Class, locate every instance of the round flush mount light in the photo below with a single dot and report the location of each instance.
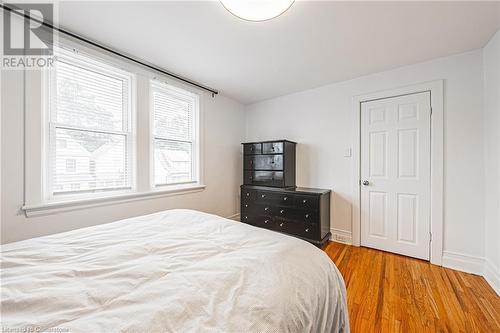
(257, 10)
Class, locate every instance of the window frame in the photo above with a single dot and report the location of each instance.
(50, 125)
(156, 84)
(36, 138)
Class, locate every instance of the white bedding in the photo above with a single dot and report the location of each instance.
(173, 271)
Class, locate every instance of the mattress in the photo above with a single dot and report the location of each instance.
(172, 271)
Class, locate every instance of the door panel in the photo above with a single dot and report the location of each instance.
(407, 218)
(395, 166)
(408, 153)
(378, 154)
(378, 214)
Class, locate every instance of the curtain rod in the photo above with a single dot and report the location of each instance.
(14, 10)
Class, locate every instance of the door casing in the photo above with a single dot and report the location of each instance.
(437, 152)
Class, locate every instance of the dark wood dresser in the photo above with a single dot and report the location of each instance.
(300, 212)
(269, 163)
(270, 199)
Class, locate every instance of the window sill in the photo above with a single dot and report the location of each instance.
(69, 205)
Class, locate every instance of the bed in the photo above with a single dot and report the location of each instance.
(172, 271)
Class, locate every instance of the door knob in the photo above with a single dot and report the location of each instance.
(366, 183)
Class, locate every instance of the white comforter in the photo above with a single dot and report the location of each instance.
(173, 271)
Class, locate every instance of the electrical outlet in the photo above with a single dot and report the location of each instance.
(340, 238)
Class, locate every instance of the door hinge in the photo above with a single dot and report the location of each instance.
(430, 236)
(431, 110)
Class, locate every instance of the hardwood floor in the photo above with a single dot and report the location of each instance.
(391, 293)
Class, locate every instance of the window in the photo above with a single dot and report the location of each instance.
(175, 113)
(70, 165)
(90, 127)
(82, 148)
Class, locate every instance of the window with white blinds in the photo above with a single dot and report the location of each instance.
(90, 127)
(174, 135)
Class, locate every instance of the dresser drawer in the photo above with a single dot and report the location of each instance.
(263, 178)
(248, 195)
(258, 220)
(247, 206)
(263, 162)
(306, 202)
(303, 215)
(304, 230)
(250, 208)
(298, 215)
(247, 218)
(307, 230)
(276, 199)
(264, 222)
(252, 148)
(265, 209)
(272, 148)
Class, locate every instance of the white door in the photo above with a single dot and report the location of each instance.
(395, 174)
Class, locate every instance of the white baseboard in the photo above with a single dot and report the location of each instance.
(463, 262)
(475, 265)
(341, 236)
(235, 217)
(492, 275)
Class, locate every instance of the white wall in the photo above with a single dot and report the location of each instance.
(321, 121)
(491, 61)
(223, 128)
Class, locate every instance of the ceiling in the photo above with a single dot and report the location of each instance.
(312, 44)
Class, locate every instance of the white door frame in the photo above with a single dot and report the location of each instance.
(437, 152)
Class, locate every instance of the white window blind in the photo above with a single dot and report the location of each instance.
(175, 149)
(90, 130)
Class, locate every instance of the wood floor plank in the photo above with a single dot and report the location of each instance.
(387, 292)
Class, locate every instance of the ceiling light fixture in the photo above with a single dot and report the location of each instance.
(257, 10)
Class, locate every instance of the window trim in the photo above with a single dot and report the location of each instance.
(55, 207)
(49, 126)
(196, 150)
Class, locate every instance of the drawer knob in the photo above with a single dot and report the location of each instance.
(248, 194)
(281, 224)
(246, 217)
(307, 216)
(263, 196)
(285, 198)
(246, 205)
(266, 208)
(307, 229)
(304, 201)
(266, 221)
(282, 211)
